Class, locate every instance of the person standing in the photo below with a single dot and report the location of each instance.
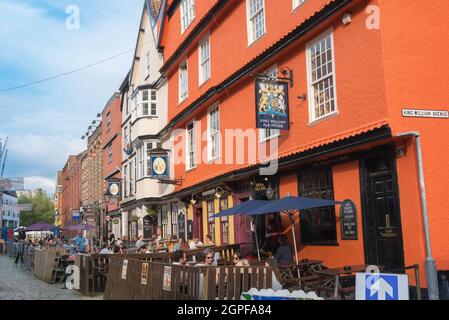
(80, 242)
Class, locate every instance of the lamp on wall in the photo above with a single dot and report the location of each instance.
(219, 192)
(192, 201)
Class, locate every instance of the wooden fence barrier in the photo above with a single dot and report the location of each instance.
(94, 268)
(132, 279)
(46, 262)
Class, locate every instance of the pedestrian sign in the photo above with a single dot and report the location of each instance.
(378, 286)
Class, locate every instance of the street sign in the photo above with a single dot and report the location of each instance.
(416, 113)
(381, 286)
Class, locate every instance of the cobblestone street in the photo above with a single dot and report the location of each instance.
(19, 284)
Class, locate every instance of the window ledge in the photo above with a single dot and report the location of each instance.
(326, 117)
(204, 83)
(189, 170)
(255, 41)
(182, 101)
(268, 139)
(297, 7)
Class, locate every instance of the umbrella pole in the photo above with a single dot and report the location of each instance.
(257, 242)
(294, 242)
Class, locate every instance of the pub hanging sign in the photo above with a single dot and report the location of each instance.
(348, 220)
(114, 187)
(159, 165)
(272, 110)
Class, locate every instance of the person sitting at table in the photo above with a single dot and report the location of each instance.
(200, 260)
(116, 250)
(238, 261)
(140, 242)
(180, 258)
(208, 241)
(284, 254)
(105, 249)
(209, 254)
(196, 244)
(143, 249)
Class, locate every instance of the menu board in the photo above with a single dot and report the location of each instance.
(147, 228)
(348, 220)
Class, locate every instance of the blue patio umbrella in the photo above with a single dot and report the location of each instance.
(243, 208)
(290, 205)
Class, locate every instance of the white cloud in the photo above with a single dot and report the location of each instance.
(33, 183)
(45, 122)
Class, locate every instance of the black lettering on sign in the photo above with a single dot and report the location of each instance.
(348, 220)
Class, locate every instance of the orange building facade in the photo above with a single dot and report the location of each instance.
(352, 70)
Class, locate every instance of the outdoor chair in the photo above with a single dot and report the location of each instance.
(286, 278)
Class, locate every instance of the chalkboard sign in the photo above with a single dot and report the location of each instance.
(189, 230)
(348, 221)
(182, 226)
(147, 228)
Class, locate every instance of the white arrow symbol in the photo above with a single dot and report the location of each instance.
(382, 288)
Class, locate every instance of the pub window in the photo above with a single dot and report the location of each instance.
(318, 226)
(211, 219)
(174, 219)
(224, 222)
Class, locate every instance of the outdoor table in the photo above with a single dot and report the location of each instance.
(307, 268)
(332, 277)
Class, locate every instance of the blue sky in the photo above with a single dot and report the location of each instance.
(45, 122)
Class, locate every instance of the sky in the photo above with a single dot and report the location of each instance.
(45, 122)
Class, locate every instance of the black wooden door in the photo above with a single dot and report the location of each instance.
(382, 218)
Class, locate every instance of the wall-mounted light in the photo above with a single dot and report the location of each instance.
(219, 192)
(347, 18)
(192, 201)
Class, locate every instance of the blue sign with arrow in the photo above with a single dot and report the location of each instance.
(377, 286)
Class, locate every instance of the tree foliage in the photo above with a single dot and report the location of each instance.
(42, 209)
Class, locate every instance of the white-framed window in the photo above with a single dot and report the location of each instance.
(125, 179)
(321, 77)
(183, 82)
(255, 16)
(213, 132)
(141, 164)
(147, 63)
(149, 147)
(131, 177)
(174, 219)
(110, 153)
(191, 146)
(187, 13)
(145, 101)
(165, 232)
(267, 134)
(297, 3)
(125, 136)
(204, 60)
(149, 103)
